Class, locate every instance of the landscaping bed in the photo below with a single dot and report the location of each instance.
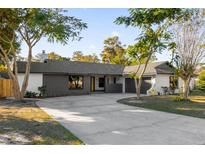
(195, 107)
(25, 123)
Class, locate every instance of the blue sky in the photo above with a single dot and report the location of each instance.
(100, 26)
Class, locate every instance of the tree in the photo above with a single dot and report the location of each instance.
(9, 45)
(55, 56)
(114, 52)
(138, 58)
(201, 80)
(30, 25)
(189, 38)
(154, 24)
(79, 56)
(3, 68)
(52, 55)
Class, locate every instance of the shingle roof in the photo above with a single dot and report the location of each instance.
(72, 67)
(152, 68)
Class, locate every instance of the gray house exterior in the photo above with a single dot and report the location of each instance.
(61, 78)
(94, 77)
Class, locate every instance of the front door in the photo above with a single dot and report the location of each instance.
(92, 83)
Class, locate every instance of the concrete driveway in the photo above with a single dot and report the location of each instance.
(99, 119)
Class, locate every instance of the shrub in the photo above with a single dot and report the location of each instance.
(30, 94)
(178, 99)
(3, 68)
(42, 90)
(201, 80)
(152, 92)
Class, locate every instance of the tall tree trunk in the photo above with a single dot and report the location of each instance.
(27, 72)
(136, 88)
(186, 83)
(16, 90)
(16, 86)
(13, 77)
(138, 82)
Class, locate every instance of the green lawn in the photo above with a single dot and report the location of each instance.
(26, 123)
(195, 107)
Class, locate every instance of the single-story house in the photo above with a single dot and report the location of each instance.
(74, 78)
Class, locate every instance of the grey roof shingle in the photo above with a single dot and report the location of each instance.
(72, 67)
(152, 68)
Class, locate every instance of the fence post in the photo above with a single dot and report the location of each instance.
(1, 88)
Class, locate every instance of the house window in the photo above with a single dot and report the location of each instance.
(101, 82)
(75, 82)
(173, 82)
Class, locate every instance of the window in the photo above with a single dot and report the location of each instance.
(101, 82)
(75, 82)
(173, 82)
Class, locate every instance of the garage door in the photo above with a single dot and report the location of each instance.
(130, 85)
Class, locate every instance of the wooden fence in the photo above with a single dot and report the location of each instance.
(5, 88)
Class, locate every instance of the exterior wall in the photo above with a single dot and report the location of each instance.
(57, 85)
(97, 83)
(121, 80)
(35, 81)
(110, 87)
(113, 88)
(111, 79)
(161, 80)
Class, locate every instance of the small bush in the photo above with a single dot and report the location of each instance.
(42, 90)
(201, 80)
(152, 92)
(30, 94)
(178, 99)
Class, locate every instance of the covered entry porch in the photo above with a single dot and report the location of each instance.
(106, 83)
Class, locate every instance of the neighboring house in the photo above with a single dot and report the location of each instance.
(74, 78)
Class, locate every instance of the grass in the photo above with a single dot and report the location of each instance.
(28, 122)
(195, 107)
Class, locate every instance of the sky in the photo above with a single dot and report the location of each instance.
(101, 25)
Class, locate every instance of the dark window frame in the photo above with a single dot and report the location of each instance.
(75, 88)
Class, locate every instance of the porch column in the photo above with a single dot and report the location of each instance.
(123, 84)
(106, 82)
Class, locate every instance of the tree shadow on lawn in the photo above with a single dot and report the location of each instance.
(26, 123)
